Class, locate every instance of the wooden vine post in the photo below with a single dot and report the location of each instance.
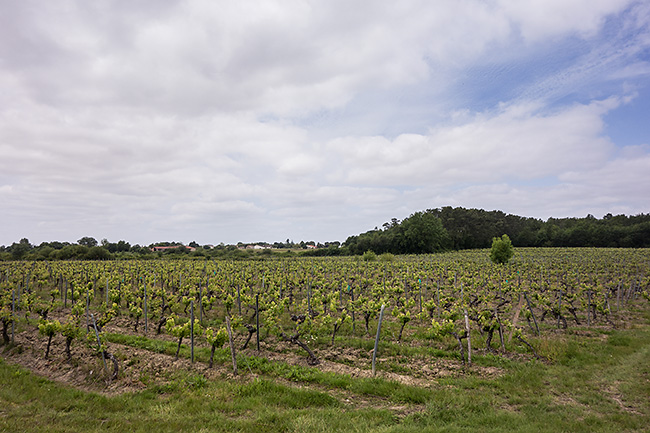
(257, 320)
(515, 318)
(99, 343)
(145, 307)
(352, 299)
(87, 307)
(374, 352)
(13, 313)
(589, 308)
(233, 354)
(532, 313)
(201, 302)
(559, 309)
(192, 330)
(467, 329)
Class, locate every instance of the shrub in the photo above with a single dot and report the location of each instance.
(369, 256)
(386, 257)
(502, 250)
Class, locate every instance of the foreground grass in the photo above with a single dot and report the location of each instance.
(594, 384)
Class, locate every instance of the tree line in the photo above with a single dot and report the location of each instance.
(458, 228)
(88, 248)
(430, 231)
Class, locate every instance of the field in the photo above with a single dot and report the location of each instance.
(557, 340)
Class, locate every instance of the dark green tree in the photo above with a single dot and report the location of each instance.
(20, 249)
(87, 241)
(423, 233)
(98, 253)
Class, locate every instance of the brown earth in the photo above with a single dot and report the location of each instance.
(140, 368)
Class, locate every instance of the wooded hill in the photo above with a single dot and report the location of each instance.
(458, 228)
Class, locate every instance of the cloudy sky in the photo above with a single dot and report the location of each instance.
(223, 121)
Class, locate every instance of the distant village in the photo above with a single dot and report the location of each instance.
(193, 246)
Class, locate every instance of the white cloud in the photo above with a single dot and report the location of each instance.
(539, 19)
(517, 142)
(152, 119)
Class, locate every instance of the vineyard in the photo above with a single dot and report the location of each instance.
(390, 331)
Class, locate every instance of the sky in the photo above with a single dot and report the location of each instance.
(218, 121)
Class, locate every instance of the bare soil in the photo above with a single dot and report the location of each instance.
(140, 368)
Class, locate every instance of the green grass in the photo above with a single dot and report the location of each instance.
(32, 404)
(373, 387)
(595, 383)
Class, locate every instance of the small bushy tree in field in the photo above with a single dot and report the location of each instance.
(502, 250)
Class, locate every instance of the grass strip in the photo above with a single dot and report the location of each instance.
(377, 387)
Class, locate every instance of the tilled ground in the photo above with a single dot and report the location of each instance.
(140, 368)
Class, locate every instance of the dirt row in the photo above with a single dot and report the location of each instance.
(140, 368)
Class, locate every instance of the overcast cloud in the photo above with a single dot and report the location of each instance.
(248, 121)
